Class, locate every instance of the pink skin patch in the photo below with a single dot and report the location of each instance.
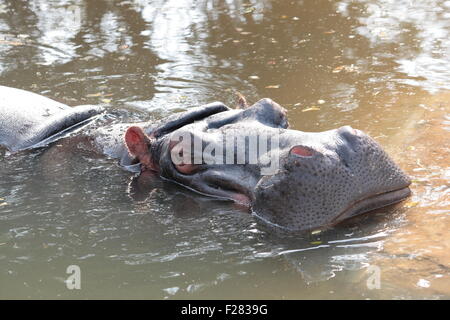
(186, 168)
(241, 200)
(301, 151)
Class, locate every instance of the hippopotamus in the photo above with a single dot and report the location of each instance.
(295, 181)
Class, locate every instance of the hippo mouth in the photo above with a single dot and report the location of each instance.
(357, 208)
(372, 203)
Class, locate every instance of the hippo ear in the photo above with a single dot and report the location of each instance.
(241, 101)
(137, 142)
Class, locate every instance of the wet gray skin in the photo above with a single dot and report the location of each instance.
(322, 178)
(30, 120)
(318, 179)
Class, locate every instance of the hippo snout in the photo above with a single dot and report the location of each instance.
(318, 185)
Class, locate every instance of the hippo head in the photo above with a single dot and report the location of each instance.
(291, 180)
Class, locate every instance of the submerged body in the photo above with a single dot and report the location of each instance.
(29, 120)
(315, 179)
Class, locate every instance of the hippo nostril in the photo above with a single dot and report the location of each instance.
(350, 135)
(345, 130)
(349, 132)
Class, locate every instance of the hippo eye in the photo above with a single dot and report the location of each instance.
(302, 151)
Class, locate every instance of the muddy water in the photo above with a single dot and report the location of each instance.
(380, 66)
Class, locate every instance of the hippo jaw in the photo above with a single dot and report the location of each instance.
(353, 176)
(356, 208)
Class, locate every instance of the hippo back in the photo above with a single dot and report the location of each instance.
(28, 119)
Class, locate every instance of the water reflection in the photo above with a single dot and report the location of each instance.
(414, 32)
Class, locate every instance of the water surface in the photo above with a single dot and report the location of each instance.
(378, 65)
